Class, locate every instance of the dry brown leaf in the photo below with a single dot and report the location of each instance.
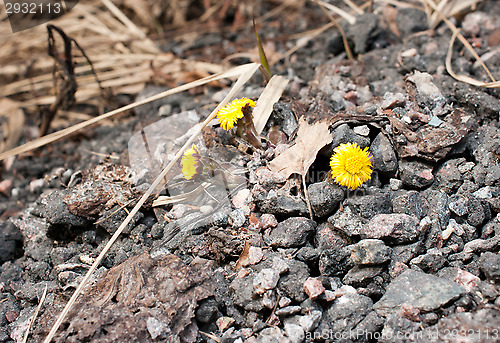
(298, 158)
(11, 124)
(243, 256)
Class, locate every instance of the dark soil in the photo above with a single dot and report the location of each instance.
(410, 256)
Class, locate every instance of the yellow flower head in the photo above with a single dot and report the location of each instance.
(351, 165)
(190, 162)
(229, 114)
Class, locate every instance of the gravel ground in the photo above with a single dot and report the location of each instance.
(410, 256)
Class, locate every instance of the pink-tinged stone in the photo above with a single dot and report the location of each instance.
(397, 269)
(409, 312)
(313, 288)
(266, 176)
(351, 96)
(466, 280)
(427, 174)
(255, 255)
(268, 221)
(255, 223)
(246, 332)
(395, 228)
(284, 301)
(11, 316)
(223, 323)
(5, 186)
(242, 198)
(242, 273)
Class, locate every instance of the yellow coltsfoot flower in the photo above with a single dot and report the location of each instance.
(351, 166)
(190, 162)
(229, 114)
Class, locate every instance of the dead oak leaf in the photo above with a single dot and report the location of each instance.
(311, 138)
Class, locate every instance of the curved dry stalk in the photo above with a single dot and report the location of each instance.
(323, 6)
(246, 73)
(456, 33)
(461, 77)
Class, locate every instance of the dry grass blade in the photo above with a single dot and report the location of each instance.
(450, 8)
(34, 144)
(266, 71)
(354, 7)
(124, 19)
(400, 4)
(269, 96)
(32, 321)
(465, 78)
(305, 38)
(166, 200)
(349, 18)
(246, 73)
(124, 58)
(462, 39)
(348, 51)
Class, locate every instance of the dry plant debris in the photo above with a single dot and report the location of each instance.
(11, 124)
(311, 138)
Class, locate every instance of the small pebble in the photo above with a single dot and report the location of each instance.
(37, 185)
(467, 280)
(156, 328)
(310, 321)
(295, 333)
(330, 295)
(362, 130)
(242, 198)
(465, 167)
(206, 209)
(280, 265)
(255, 255)
(268, 221)
(284, 301)
(266, 279)
(223, 323)
(483, 193)
(242, 273)
(459, 206)
(313, 288)
(5, 186)
(287, 311)
(11, 316)
(395, 184)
